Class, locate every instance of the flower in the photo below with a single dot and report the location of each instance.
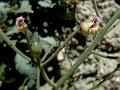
(97, 20)
(90, 27)
(21, 25)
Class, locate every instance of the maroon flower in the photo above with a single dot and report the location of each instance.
(96, 20)
(21, 25)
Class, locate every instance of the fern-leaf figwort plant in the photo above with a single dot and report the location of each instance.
(86, 28)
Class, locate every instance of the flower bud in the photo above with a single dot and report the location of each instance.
(90, 27)
(36, 49)
(85, 28)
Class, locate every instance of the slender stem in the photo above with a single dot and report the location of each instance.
(24, 82)
(46, 77)
(97, 10)
(5, 38)
(111, 28)
(105, 56)
(28, 39)
(46, 54)
(107, 77)
(28, 35)
(2, 67)
(38, 78)
(65, 85)
(87, 52)
(62, 46)
(38, 74)
(44, 73)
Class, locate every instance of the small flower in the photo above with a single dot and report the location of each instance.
(21, 25)
(90, 27)
(97, 20)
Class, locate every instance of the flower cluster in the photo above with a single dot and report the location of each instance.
(90, 27)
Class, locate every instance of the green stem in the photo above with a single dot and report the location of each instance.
(107, 77)
(61, 47)
(28, 37)
(65, 86)
(24, 82)
(97, 10)
(38, 74)
(112, 27)
(46, 54)
(5, 38)
(105, 56)
(38, 78)
(46, 77)
(87, 52)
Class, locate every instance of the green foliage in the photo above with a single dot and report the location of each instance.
(48, 42)
(25, 68)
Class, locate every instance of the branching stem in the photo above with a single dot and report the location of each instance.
(87, 51)
(61, 47)
(5, 38)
